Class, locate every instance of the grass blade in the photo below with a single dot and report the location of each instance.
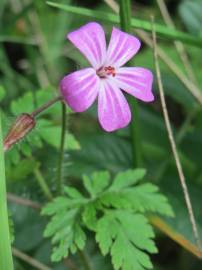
(6, 261)
(161, 30)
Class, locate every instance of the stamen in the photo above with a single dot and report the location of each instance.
(110, 71)
(103, 72)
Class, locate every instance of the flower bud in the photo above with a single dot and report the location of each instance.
(21, 127)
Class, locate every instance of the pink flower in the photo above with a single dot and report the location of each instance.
(106, 78)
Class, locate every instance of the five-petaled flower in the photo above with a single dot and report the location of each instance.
(106, 78)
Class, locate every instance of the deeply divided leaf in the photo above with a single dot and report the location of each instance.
(114, 212)
(126, 236)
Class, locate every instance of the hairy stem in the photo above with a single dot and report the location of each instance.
(62, 149)
(125, 20)
(6, 261)
(46, 106)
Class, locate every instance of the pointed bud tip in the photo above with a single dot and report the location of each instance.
(20, 128)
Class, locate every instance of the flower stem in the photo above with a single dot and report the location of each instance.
(25, 123)
(125, 21)
(6, 261)
(46, 106)
(62, 148)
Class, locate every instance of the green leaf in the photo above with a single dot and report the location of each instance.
(26, 150)
(73, 193)
(101, 152)
(181, 225)
(46, 127)
(80, 237)
(65, 230)
(137, 23)
(89, 216)
(125, 193)
(24, 168)
(88, 185)
(2, 92)
(23, 104)
(110, 212)
(62, 203)
(127, 178)
(27, 223)
(146, 197)
(97, 182)
(100, 181)
(126, 236)
(105, 232)
(58, 204)
(191, 13)
(59, 221)
(11, 228)
(44, 95)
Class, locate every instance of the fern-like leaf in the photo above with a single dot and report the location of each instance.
(125, 193)
(126, 236)
(114, 212)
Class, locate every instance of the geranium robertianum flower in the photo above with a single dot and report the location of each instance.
(106, 78)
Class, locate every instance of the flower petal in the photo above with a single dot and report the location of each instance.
(122, 47)
(80, 89)
(113, 109)
(90, 40)
(136, 81)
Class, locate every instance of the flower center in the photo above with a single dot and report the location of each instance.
(103, 72)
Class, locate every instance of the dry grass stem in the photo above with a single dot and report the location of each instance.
(26, 202)
(179, 45)
(28, 259)
(173, 144)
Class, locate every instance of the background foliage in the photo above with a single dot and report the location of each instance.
(106, 206)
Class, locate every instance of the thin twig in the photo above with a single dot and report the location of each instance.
(191, 87)
(172, 143)
(179, 45)
(62, 149)
(28, 259)
(26, 202)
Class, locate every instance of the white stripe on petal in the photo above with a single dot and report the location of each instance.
(90, 40)
(135, 81)
(113, 109)
(80, 94)
(122, 47)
